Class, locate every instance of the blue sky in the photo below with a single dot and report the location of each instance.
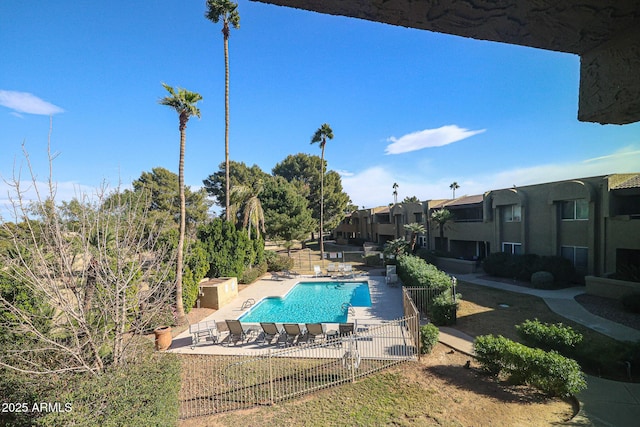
(417, 108)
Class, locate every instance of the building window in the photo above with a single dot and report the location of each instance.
(577, 255)
(575, 209)
(511, 213)
(512, 248)
(422, 241)
(418, 217)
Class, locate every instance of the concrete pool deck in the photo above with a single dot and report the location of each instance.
(386, 304)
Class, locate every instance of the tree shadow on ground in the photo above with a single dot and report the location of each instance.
(476, 381)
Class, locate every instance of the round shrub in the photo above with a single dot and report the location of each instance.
(542, 280)
(278, 262)
(428, 337)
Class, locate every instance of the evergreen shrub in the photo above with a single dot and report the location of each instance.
(143, 392)
(549, 372)
(559, 337)
(278, 262)
(428, 337)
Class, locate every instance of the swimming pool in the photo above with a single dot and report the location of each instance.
(311, 302)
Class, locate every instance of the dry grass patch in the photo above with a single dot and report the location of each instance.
(436, 391)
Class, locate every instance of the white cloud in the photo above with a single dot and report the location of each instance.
(344, 173)
(24, 102)
(373, 186)
(429, 138)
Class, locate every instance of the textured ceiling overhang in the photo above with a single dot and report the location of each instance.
(605, 33)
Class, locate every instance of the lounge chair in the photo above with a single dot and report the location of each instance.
(345, 329)
(207, 330)
(294, 333)
(348, 270)
(331, 268)
(236, 331)
(317, 271)
(269, 332)
(315, 330)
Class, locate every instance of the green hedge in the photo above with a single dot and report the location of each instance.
(142, 393)
(521, 267)
(443, 309)
(416, 272)
(549, 372)
(252, 274)
(549, 336)
(428, 337)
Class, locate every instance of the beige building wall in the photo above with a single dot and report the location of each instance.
(590, 219)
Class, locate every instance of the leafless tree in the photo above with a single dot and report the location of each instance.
(99, 279)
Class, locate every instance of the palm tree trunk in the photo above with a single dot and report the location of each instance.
(226, 121)
(183, 214)
(322, 205)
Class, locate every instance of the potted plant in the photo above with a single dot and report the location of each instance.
(163, 337)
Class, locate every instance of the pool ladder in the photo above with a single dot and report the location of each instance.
(349, 308)
(248, 303)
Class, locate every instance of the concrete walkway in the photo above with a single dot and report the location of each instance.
(604, 402)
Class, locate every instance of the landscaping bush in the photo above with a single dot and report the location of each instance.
(414, 271)
(278, 262)
(499, 264)
(443, 309)
(562, 269)
(542, 280)
(549, 372)
(563, 339)
(428, 337)
(229, 251)
(252, 274)
(631, 303)
(142, 393)
(195, 269)
(522, 267)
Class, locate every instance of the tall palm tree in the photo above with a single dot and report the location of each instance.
(415, 229)
(184, 102)
(245, 198)
(441, 217)
(454, 186)
(320, 137)
(395, 192)
(228, 12)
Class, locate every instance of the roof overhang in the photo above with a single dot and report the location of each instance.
(605, 33)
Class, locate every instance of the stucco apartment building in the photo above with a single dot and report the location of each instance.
(594, 222)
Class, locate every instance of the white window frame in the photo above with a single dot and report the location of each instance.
(512, 245)
(574, 209)
(509, 214)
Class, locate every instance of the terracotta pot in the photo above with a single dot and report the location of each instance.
(163, 337)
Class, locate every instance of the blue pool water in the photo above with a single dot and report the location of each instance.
(311, 302)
